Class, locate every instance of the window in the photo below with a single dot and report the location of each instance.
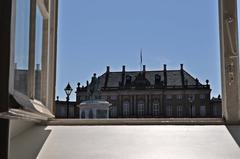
(113, 97)
(169, 110)
(155, 108)
(202, 96)
(38, 52)
(202, 110)
(169, 96)
(140, 108)
(191, 97)
(179, 111)
(24, 62)
(192, 110)
(21, 57)
(126, 108)
(32, 61)
(215, 110)
(179, 97)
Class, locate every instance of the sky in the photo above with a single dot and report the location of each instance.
(93, 34)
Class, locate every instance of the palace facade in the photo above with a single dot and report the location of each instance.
(148, 94)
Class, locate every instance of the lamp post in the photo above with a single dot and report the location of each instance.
(190, 99)
(68, 91)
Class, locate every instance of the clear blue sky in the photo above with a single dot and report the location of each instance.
(95, 33)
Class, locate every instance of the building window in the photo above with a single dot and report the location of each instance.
(179, 96)
(191, 97)
(21, 57)
(179, 111)
(155, 108)
(215, 110)
(168, 110)
(140, 108)
(202, 96)
(126, 108)
(192, 111)
(113, 97)
(202, 110)
(169, 96)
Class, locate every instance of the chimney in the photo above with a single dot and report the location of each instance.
(123, 68)
(165, 67)
(182, 75)
(38, 67)
(144, 68)
(165, 74)
(108, 68)
(196, 82)
(181, 66)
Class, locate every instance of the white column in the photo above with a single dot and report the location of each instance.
(229, 59)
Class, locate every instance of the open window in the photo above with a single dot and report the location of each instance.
(32, 59)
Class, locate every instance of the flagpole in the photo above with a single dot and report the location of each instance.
(141, 60)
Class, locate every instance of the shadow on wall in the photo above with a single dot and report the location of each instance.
(28, 144)
(235, 132)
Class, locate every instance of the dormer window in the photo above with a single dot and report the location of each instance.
(128, 80)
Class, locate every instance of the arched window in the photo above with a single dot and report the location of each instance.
(91, 114)
(83, 114)
(155, 108)
(126, 108)
(140, 108)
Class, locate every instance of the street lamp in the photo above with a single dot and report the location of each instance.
(190, 99)
(68, 91)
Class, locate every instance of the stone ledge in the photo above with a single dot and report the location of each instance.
(137, 121)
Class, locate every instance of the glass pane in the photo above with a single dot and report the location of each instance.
(38, 53)
(21, 45)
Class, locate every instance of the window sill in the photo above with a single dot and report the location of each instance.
(22, 107)
(23, 115)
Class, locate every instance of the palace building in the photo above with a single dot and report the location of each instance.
(150, 94)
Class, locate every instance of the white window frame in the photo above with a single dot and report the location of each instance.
(46, 105)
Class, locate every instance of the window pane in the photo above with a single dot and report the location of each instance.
(38, 53)
(21, 45)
